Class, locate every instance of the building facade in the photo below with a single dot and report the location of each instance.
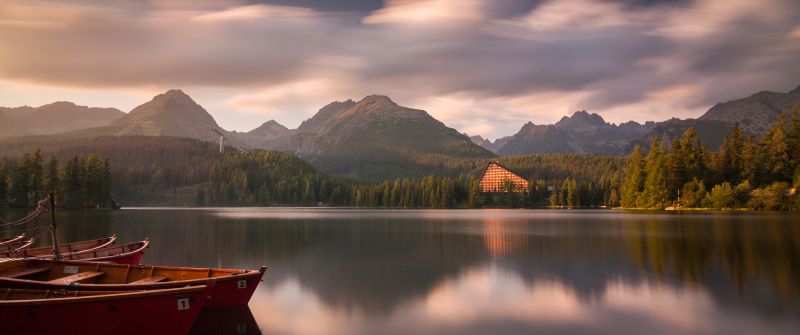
(496, 178)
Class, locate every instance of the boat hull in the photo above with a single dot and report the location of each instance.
(233, 291)
(149, 313)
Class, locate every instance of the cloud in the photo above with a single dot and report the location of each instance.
(426, 12)
(500, 62)
(254, 12)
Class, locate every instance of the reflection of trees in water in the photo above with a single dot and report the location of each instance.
(375, 264)
(752, 255)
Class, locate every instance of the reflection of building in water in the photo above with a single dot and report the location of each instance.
(497, 178)
(501, 238)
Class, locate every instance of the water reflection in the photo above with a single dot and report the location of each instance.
(495, 300)
(485, 271)
(224, 321)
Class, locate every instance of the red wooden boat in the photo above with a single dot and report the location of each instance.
(165, 311)
(11, 240)
(232, 287)
(74, 247)
(130, 253)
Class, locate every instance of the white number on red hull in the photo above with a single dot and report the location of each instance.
(183, 304)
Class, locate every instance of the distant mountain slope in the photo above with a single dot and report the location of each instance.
(376, 121)
(169, 114)
(57, 117)
(375, 138)
(269, 129)
(589, 133)
(710, 132)
(755, 113)
(581, 133)
(533, 138)
(8, 126)
(262, 137)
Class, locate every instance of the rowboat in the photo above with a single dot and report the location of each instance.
(130, 253)
(11, 240)
(232, 288)
(16, 246)
(68, 248)
(164, 311)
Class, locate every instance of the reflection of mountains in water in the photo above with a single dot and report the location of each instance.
(377, 263)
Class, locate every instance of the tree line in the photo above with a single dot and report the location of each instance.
(746, 172)
(81, 182)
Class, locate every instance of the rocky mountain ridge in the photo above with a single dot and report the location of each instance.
(57, 117)
(589, 133)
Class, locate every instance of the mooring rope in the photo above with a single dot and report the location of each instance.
(41, 207)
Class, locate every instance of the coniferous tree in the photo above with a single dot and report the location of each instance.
(36, 177)
(51, 177)
(4, 183)
(776, 152)
(635, 176)
(656, 185)
(20, 182)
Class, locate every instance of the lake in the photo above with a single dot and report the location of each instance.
(344, 271)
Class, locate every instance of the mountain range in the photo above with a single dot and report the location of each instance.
(375, 138)
(57, 117)
(589, 133)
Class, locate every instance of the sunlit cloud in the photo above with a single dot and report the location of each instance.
(254, 12)
(426, 12)
(484, 67)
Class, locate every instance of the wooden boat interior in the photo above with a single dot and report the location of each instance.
(70, 273)
(106, 252)
(67, 248)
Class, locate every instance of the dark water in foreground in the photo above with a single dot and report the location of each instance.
(335, 271)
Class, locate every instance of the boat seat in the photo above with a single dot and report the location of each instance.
(154, 279)
(77, 277)
(25, 272)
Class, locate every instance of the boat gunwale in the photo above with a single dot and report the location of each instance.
(22, 253)
(17, 247)
(233, 275)
(12, 239)
(144, 244)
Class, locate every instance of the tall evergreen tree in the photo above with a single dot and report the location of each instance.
(51, 177)
(4, 183)
(656, 185)
(635, 176)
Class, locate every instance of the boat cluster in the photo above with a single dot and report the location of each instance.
(97, 287)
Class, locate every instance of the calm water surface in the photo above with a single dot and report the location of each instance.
(339, 271)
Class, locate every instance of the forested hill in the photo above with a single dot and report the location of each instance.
(183, 172)
(176, 171)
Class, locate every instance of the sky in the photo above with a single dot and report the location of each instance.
(484, 67)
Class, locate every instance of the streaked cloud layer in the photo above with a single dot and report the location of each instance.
(481, 66)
